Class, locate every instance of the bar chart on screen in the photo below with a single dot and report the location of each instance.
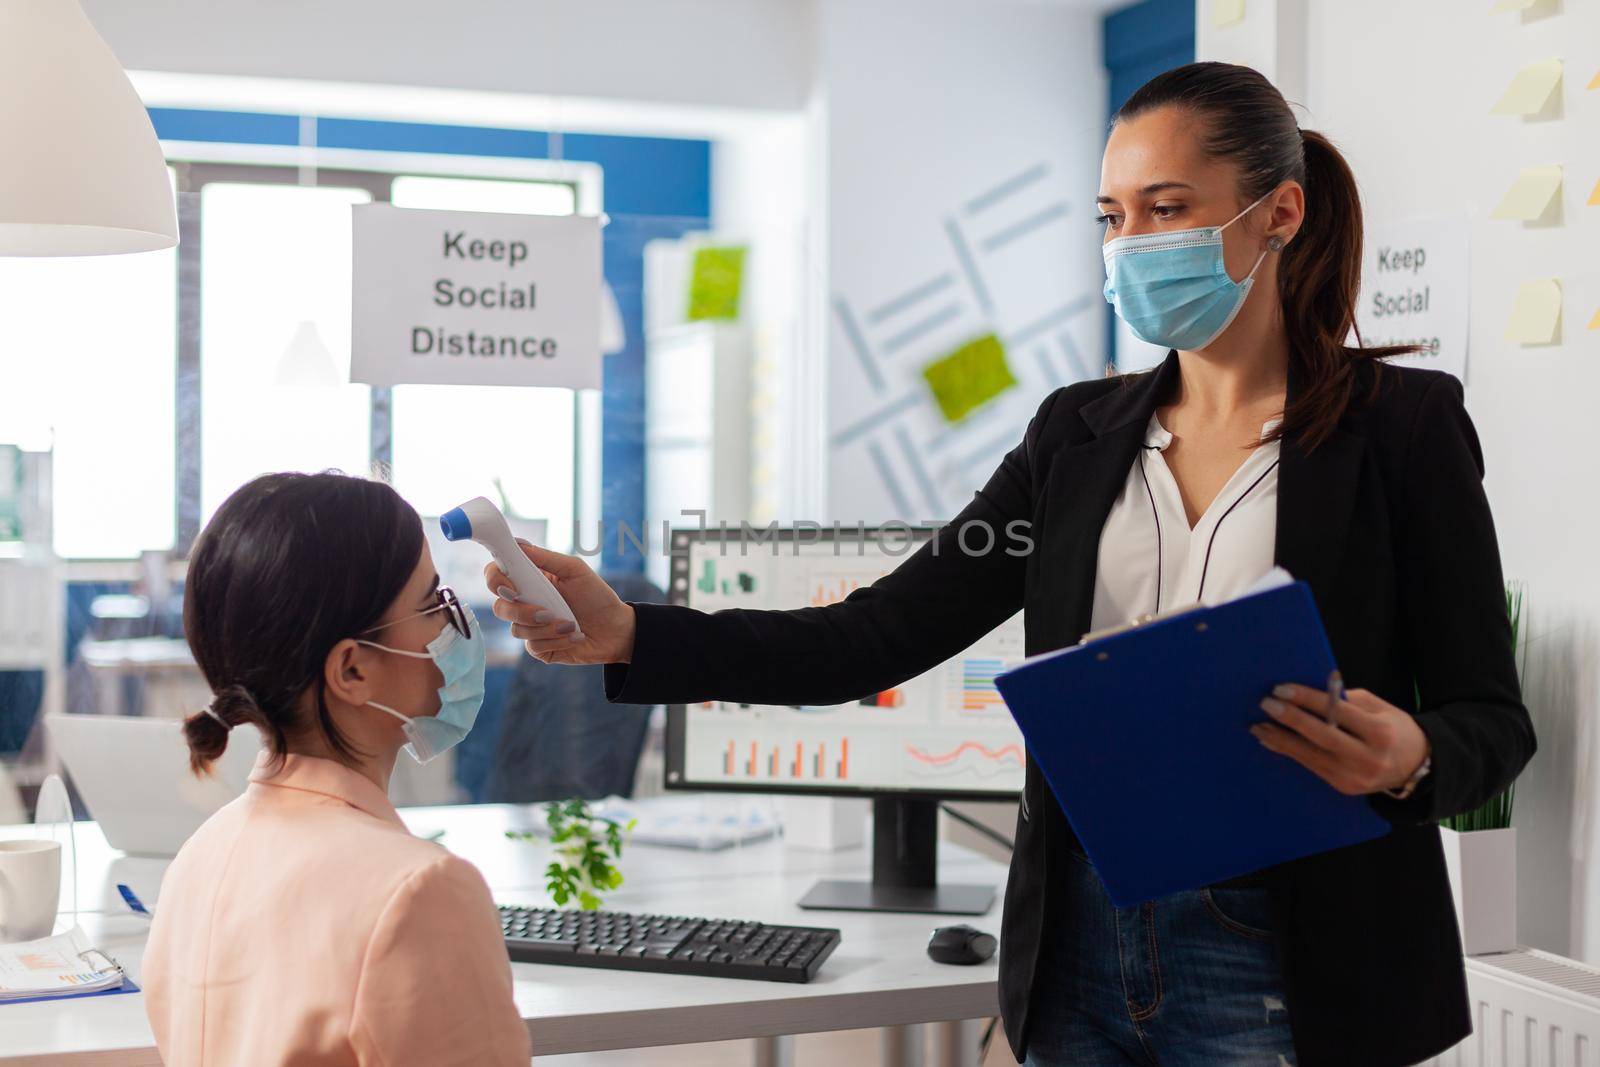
(810, 761)
(972, 691)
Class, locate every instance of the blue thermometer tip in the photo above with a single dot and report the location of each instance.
(456, 525)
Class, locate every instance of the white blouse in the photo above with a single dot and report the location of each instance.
(1150, 559)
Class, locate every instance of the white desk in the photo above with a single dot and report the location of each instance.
(879, 976)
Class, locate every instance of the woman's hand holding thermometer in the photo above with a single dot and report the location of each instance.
(479, 520)
(557, 605)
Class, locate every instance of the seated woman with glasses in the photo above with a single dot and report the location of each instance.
(302, 923)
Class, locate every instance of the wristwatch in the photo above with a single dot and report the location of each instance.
(1410, 785)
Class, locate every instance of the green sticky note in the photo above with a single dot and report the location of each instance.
(716, 282)
(969, 377)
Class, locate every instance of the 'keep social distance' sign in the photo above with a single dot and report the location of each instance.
(475, 298)
(1415, 290)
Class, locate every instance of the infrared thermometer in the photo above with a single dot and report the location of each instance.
(479, 520)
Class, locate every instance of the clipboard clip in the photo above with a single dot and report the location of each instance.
(1142, 620)
(87, 956)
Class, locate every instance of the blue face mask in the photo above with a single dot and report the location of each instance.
(461, 661)
(1172, 288)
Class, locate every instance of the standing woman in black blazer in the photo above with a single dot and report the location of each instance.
(1367, 483)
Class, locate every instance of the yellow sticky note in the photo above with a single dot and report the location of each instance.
(969, 377)
(1594, 323)
(1594, 197)
(1536, 314)
(1502, 6)
(1226, 12)
(1530, 91)
(1594, 82)
(1530, 195)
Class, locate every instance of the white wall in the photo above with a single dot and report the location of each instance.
(732, 53)
(1271, 38)
(1405, 90)
(761, 196)
(929, 106)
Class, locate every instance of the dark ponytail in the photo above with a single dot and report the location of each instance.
(289, 566)
(1241, 117)
(207, 731)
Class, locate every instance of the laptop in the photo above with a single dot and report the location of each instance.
(133, 774)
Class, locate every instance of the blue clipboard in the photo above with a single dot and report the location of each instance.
(1144, 738)
(127, 986)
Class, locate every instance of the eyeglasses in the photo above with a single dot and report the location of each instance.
(457, 614)
(449, 603)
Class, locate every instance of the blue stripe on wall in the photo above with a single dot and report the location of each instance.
(660, 176)
(234, 127)
(426, 137)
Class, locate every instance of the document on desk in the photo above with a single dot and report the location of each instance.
(52, 967)
(1143, 736)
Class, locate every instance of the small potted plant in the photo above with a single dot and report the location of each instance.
(586, 847)
(1480, 847)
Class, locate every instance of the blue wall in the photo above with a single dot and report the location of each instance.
(1144, 39)
(1141, 41)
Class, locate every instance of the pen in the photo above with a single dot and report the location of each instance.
(134, 903)
(1335, 694)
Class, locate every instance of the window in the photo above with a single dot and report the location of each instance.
(90, 353)
(275, 336)
(454, 442)
(87, 347)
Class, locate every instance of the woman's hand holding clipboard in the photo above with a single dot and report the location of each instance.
(1354, 740)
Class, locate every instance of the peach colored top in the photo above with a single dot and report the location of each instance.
(303, 924)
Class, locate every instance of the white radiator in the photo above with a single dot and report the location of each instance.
(1530, 1009)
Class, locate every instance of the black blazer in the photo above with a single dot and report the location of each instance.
(1386, 520)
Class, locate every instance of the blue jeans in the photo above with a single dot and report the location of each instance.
(1189, 979)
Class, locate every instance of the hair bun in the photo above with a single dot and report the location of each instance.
(207, 730)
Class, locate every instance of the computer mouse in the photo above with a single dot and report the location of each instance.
(960, 944)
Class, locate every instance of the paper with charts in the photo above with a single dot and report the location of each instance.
(946, 730)
(63, 964)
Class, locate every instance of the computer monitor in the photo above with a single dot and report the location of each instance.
(945, 734)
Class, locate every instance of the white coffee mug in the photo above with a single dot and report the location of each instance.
(30, 888)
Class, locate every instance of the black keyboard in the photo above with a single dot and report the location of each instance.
(674, 944)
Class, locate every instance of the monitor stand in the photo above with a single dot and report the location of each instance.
(905, 845)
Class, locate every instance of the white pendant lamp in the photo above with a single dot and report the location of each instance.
(81, 172)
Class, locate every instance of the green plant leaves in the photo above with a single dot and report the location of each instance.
(586, 847)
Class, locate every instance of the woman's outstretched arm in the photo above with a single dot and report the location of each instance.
(954, 589)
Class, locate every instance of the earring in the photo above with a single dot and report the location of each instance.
(1275, 243)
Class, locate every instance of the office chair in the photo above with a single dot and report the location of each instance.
(559, 737)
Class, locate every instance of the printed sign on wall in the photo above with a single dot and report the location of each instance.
(1414, 290)
(475, 298)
